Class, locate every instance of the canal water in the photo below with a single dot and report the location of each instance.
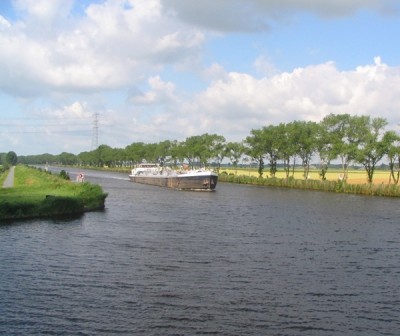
(243, 260)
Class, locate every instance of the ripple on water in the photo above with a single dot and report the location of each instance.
(242, 260)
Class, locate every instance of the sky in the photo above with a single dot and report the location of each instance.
(79, 73)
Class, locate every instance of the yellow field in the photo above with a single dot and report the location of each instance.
(354, 176)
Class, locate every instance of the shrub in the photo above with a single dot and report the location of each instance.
(64, 175)
(58, 205)
(92, 196)
(10, 209)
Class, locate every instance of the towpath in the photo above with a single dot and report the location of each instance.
(9, 181)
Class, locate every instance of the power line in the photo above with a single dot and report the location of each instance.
(46, 132)
(49, 126)
(46, 126)
(44, 118)
(53, 126)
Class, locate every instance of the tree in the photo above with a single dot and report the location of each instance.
(325, 140)
(255, 149)
(191, 149)
(344, 138)
(67, 158)
(11, 158)
(234, 151)
(104, 154)
(287, 145)
(163, 151)
(135, 152)
(202, 148)
(270, 139)
(392, 145)
(305, 133)
(177, 152)
(217, 145)
(86, 158)
(371, 148)
(120, 158)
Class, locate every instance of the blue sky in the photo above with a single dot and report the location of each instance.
(168, 69)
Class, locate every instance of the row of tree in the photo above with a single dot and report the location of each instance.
(350, 139)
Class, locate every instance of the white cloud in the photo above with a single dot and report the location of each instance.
(215, 72)
(113, 45)
(44, 11)
(161, 93)
(76, 111)
(235, 105)
(118, 43)
(264, 66)
(4, 24)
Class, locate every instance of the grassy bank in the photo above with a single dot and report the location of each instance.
(331, 185)
(3, 174)
(38, 193)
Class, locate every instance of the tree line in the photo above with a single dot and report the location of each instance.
(350, 139)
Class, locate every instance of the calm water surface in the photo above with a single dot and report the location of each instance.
(239, 261)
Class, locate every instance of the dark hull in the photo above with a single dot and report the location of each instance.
(206, 183)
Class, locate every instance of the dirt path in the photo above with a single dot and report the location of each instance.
(9, 181)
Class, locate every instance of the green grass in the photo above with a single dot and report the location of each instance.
(388, 190)
(3, 174)
(38, 193)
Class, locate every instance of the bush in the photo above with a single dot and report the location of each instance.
(64, 175)
(58, 205)
(22, 209)
(92, 196)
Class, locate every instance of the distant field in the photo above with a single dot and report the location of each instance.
(354, 176)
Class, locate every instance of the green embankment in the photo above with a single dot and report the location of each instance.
(4, 169)
(38, 193)
(379, 189)
(3, 175)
